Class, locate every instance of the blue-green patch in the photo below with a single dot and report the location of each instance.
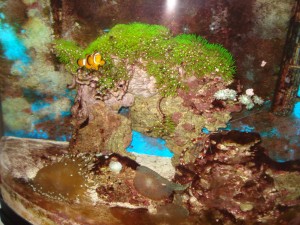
(143, 144)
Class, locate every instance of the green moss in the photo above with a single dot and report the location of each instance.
(125, 44)
(164, 128)
(166, 79)
(67, 52)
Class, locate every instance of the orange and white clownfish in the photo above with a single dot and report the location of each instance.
(91, 62)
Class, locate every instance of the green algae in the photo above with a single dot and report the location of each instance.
(169, 59)
(67, 52)
(164, 128)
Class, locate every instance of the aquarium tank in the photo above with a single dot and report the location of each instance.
(150, 112)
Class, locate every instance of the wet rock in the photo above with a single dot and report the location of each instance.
(232, 177)
(151, 185)
(22, 158)
(141, 84)
(105, 132)
(189, 112)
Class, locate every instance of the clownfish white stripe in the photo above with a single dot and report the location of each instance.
(94, 57)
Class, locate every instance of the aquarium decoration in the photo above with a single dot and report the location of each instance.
(148, 145)
(249, 99)
(296, 111)
(154, 49)
(146, 69)
(142, 91)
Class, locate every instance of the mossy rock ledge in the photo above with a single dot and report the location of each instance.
(166, 82)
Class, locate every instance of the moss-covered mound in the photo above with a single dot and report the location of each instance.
(169, 59)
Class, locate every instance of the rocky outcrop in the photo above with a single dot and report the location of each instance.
(188, 113)
(107, 132)
(233, 178)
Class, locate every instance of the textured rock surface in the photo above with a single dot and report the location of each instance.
(141, 84)
(161, 165)
(141, 87)
(190, 112)
(116, 104)
(27, 155)
(232, 182)
(233, 177)
(56, 195)
(105, 132)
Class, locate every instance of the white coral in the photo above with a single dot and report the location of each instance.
(245, 99)
(258, 100)
(250, 92)
(225, 94)
(250, 106)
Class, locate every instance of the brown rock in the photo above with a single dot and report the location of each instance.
(189, 127)
(105, 132)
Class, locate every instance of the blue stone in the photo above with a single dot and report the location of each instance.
(143, 144)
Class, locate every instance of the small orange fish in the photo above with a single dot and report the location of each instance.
(92, 61)
(81, 62)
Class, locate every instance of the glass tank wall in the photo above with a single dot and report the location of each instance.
(210, 87)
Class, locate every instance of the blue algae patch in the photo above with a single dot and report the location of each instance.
(70, 94)
(271, 133)
(205, 130)
(65, 113)
(280, 160)
(124, 111)
(298, 93)
(246, 128)
(13, 48)
(143, 144)
(37, 134)
(242, 128)
(289, 155)
(39, 105)
(296, 111)
(227, 128)
(32, 94)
